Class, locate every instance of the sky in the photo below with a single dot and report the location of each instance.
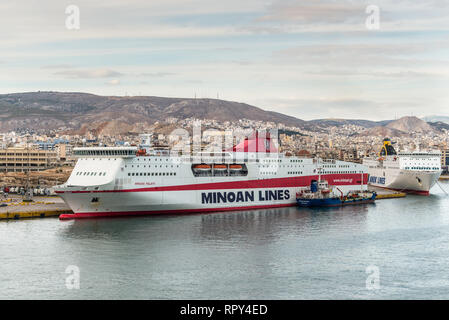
(309, 59)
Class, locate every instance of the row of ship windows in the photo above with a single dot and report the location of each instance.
(104, 152)
(325, 172)
(156, 166)
(421, 168)
(335, 166)
(155, 159)
(144, 174)
(90, 173)
(281, 166)
(99, 159)
(109, 159)
(273, 172)
(420, 164)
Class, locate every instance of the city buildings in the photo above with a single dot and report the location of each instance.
(25, 159)
(445, 160)
(20, 151)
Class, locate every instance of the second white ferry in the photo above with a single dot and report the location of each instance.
(117, 181)
(411, 172)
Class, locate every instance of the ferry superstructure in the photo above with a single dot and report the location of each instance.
(411, 172)
(122, 181)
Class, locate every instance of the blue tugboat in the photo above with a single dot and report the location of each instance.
(319, 194)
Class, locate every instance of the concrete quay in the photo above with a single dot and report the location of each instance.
(14, 208)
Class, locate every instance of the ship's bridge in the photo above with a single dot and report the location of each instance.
(98, 166)
(116, 152)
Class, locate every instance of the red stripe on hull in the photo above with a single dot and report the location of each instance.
(418, 192)
(333, 179)
(85, 215)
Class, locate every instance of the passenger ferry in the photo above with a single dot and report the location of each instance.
(412, 172)
(121, 181)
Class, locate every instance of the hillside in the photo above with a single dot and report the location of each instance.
(81, 111)
(440, 126)
(435, 118)
(341, 122)
(382, 132)
(410, 124)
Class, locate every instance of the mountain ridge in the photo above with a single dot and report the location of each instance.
(73, 109)
(79, 112)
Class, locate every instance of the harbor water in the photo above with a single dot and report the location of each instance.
(287, 253)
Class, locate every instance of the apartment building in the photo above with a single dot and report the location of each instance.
(23, 160)
(445, 160)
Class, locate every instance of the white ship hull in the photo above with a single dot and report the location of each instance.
(207, 198)
(408, 172)
(112, 182)
(404, 180)
(253, 175)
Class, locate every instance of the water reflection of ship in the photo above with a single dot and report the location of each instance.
(265, 225)
(118, 229)
(269, 224)
(250, 224)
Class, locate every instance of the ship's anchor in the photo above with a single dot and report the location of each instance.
(419, 181)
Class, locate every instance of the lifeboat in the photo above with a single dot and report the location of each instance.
(220, 167)
(141, 152)
(202, 167)
(235, 167)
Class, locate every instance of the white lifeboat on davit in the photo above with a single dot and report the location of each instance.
(220, 167)
(202, 167)
(235, 167)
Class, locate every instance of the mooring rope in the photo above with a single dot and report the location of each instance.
(442, 188)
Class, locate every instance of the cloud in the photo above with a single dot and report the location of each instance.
(347, 108)
(298, 16)
(113, 82)
(88, 74)
(155, 74)
(317, 11)
(251, 51)
(58, 66)
(406, 74)
(368, 55)
(44, 21)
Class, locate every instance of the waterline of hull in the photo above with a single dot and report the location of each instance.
(410, 182)
(173, 202)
